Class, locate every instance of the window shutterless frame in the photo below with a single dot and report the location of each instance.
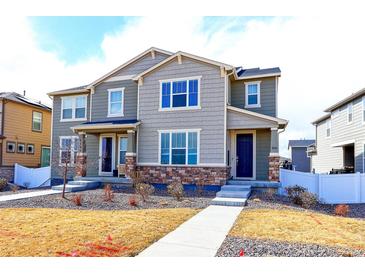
(8, 144)
(258, 94)
(187, 107)
(32, 148)
(121, 113)
(328, 128)
(350, 113)
(186, 131)
(20, 148)
(73, 116)
(36, 119)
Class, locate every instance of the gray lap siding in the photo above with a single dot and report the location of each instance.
(210, 118)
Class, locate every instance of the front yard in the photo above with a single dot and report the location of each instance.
(62, 232)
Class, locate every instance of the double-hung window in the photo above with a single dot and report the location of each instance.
(115, 102)
(328, 128)
(69, 146)
(73, 108)
(180, 93)
(179, 147)
(252, 90)
(37, 121)
(350, 113)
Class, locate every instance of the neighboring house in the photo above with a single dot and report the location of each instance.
(340, 136)
(25, 133)
(299, 157)
(172, 116)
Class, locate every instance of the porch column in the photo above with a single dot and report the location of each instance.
(130, 156)
(81, 156)
(274, 158)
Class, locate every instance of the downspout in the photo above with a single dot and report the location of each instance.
(226, 79)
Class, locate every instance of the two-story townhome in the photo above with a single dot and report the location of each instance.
(25, 133)
(340, 136)
(172, 116)
(300, 159)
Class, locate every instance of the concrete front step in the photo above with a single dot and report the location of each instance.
(80, 185)
(222, 201)
(70, 188)
(258, 184)
(234, 194)
(236, 188)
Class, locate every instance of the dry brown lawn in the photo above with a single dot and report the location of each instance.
(52, 232)
(301, 227)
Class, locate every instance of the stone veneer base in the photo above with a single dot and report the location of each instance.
(187, 175)
(274, 168)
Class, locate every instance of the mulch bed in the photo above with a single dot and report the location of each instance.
(233, 246)
(94, 199)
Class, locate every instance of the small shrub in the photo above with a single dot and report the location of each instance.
(176, 189)
(133, 201)
(199, 187)
(77, 199)
(342, 210)
(108, 193)
(308, 199)
(14, 188)
(3, 183)
(136, 178)
(300, 196)
(270, 193)
(144, 190)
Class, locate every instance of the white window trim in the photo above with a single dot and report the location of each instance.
(328, 121)
(73, 108)
(363, 110)
(171, 108)
(72, 164)
(41, 121)
(119, 137)
(120, 114)
(186, 131)
(258, 105)
(348, 112)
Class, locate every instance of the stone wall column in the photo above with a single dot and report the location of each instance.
(81, 157)
(274, 158)
(130, 156)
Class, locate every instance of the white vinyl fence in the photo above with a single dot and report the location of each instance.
(32, 177)
(330, 189)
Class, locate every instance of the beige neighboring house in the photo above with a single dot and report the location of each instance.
(25, 133)
(340, 136)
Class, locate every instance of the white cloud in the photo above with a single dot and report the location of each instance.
(321, 58)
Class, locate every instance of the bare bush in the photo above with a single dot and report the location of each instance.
(176, 189)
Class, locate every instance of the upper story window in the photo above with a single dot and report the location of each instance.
(37, 121)
(328, 128)
(73, 108)
(179, 147)
(350, 113)
(180, 93)
(115, 102)
(335, 114)
(252, 94)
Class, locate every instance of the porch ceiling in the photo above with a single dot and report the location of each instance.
(106, 126)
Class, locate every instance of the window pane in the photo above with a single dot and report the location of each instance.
(36, 125)
(67, 103)
(178, 156)
(179, 87)
(192, 148)
(115, 108)
(80, 113)
(179, 140)
(80, 102)
(179, 100)
(65, 143)
(122, 157)
(67, 113)
(252, 89)
(166, 95)
(116, 96)
(76, 144)
(123, 143)
(165, 148)
(252, 99)
(193, 92)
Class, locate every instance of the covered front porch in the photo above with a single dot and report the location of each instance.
(253, 145)
(107, 149)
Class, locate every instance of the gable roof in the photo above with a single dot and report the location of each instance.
(16, 97)
(256, 72)
(128, 63)
(281, 122)
(346, 100)
(320, 119)
(189, 55)
(300, 143)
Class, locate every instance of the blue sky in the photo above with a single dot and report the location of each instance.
(75, 39)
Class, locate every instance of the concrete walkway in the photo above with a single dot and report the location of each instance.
(18, 196)
(200, 236)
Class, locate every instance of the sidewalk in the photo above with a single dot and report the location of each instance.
(18, 196)
(201, 236)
